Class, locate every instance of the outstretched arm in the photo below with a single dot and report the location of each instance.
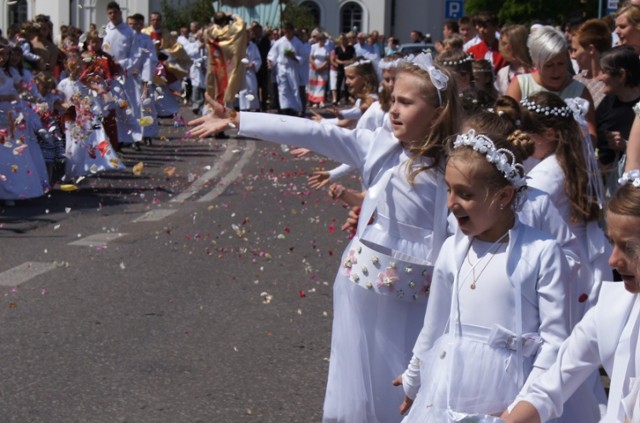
(218, 120)
(343, 145)
(633, 146)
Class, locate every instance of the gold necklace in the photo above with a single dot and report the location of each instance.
(495, 246)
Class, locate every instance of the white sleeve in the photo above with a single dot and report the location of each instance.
(373, 118)
(339, 172)
(330, 121)
(540, 212)
(553, 308)
(352, 113)
(411, 378)
(255, 57)
(577, 359)
(272, 56)
(439, 305)
(339, 144)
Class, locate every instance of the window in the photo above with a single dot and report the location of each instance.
(18, 12)
(314, 10)
(351, 17)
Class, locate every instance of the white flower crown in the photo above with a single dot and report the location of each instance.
(632, 176)
(503, 159)
(449, 63)
(358, 63)
(535, 107)
(391, 64)
(438, 78)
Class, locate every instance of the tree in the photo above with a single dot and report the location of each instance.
(199, 11)
(526, 12)
(298, 15)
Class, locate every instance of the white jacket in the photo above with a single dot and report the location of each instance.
(607, 335)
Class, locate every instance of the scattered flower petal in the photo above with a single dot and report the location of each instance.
(137, 168)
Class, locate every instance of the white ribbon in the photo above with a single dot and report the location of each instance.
(632, 176)
(438, 78)
(580, 107)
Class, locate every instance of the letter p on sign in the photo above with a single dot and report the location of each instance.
(453, 9)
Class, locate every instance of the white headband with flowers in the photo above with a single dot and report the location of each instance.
(438, 78)
(358, 63)
(536, 108)
(393, 64)
(632, 177)
(503, 159)
(451, 63)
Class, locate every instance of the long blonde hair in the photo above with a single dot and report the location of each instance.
(446, 123)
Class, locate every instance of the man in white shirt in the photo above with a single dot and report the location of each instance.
(183, 38)
(144, 61)
(284, 59)
(117, 42)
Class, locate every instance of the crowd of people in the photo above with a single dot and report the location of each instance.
(69, 108)
(500, 203)
(500, 191)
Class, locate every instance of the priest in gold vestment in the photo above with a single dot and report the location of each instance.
(226, 42)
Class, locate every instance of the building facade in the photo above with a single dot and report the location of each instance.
(389, 17)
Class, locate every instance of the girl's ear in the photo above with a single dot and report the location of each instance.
(623, 76)
(507, 195)
(438, 112)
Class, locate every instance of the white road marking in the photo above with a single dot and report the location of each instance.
(207, 176)
(155, 215)
(24, 272)
(231, 176)
(97, 240)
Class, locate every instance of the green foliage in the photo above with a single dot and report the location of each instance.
(526, 12)
(298, 15)
(199, 11)
(475, 6)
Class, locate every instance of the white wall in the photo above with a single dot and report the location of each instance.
(424, 15)
(58, 11)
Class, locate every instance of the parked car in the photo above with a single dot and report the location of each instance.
(415, 48)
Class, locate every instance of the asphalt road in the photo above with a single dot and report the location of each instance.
(197, 291)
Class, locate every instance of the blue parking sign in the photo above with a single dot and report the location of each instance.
(453, 9)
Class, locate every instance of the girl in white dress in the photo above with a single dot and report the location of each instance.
(88, 149)
(568, 173)
(29, 97)
(382, 285)
(497, 312)
(608, 335)
(20, 176)
(361, 81)
(375, 116)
